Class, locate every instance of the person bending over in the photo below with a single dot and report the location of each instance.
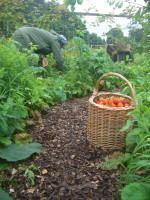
(47, 42)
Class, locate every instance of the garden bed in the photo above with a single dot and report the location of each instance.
(67, 165)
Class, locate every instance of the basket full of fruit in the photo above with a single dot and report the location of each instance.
(108, 114)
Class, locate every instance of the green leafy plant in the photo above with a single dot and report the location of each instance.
(15, 152)
(24, 87)
(12, 113)
(29, 173)
(22, 139)
(141, 128)
(30, 176)
(114, 163)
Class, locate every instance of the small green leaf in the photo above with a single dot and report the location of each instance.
(111, 3)
(120, 5)
(108, 84)
(72, 8)
(117, 4)
(133, 138)
(80, 1)
(5, 140)
(148, 96)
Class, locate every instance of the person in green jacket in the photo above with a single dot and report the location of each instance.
(45, 41)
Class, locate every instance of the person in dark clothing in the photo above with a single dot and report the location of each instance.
(45, 41)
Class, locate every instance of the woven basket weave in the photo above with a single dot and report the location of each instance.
(104, 123)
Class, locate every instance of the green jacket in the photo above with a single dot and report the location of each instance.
(47, 42)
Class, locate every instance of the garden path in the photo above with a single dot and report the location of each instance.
(67, 163)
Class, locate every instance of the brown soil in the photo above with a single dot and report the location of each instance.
(68, 163)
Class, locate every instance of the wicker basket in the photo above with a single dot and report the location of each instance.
(105, 122)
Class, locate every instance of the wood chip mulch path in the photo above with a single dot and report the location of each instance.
(68, 163)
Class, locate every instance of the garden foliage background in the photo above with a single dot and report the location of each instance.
(24, 87)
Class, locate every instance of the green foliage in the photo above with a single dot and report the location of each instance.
(14, 152)
(115, 34)
(42, 14)
(22, 88)
(136, 34)
(72, 3)
(136, 191)
(30, 176)
(12, 113)
(29, 173)
(22, 139)
(86, 65)
(137, 167)
(141, 129)
(95, 40)
(110, 164)
(79, 1)
(3, 166)
(127, 126)
(137, 140)
(140, 16)
(5, 140)
(29, 12)
(4, 195)
(19, 89)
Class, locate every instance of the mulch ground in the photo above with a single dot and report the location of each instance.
(68, 163)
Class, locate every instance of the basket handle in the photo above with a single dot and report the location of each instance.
(113, 74)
